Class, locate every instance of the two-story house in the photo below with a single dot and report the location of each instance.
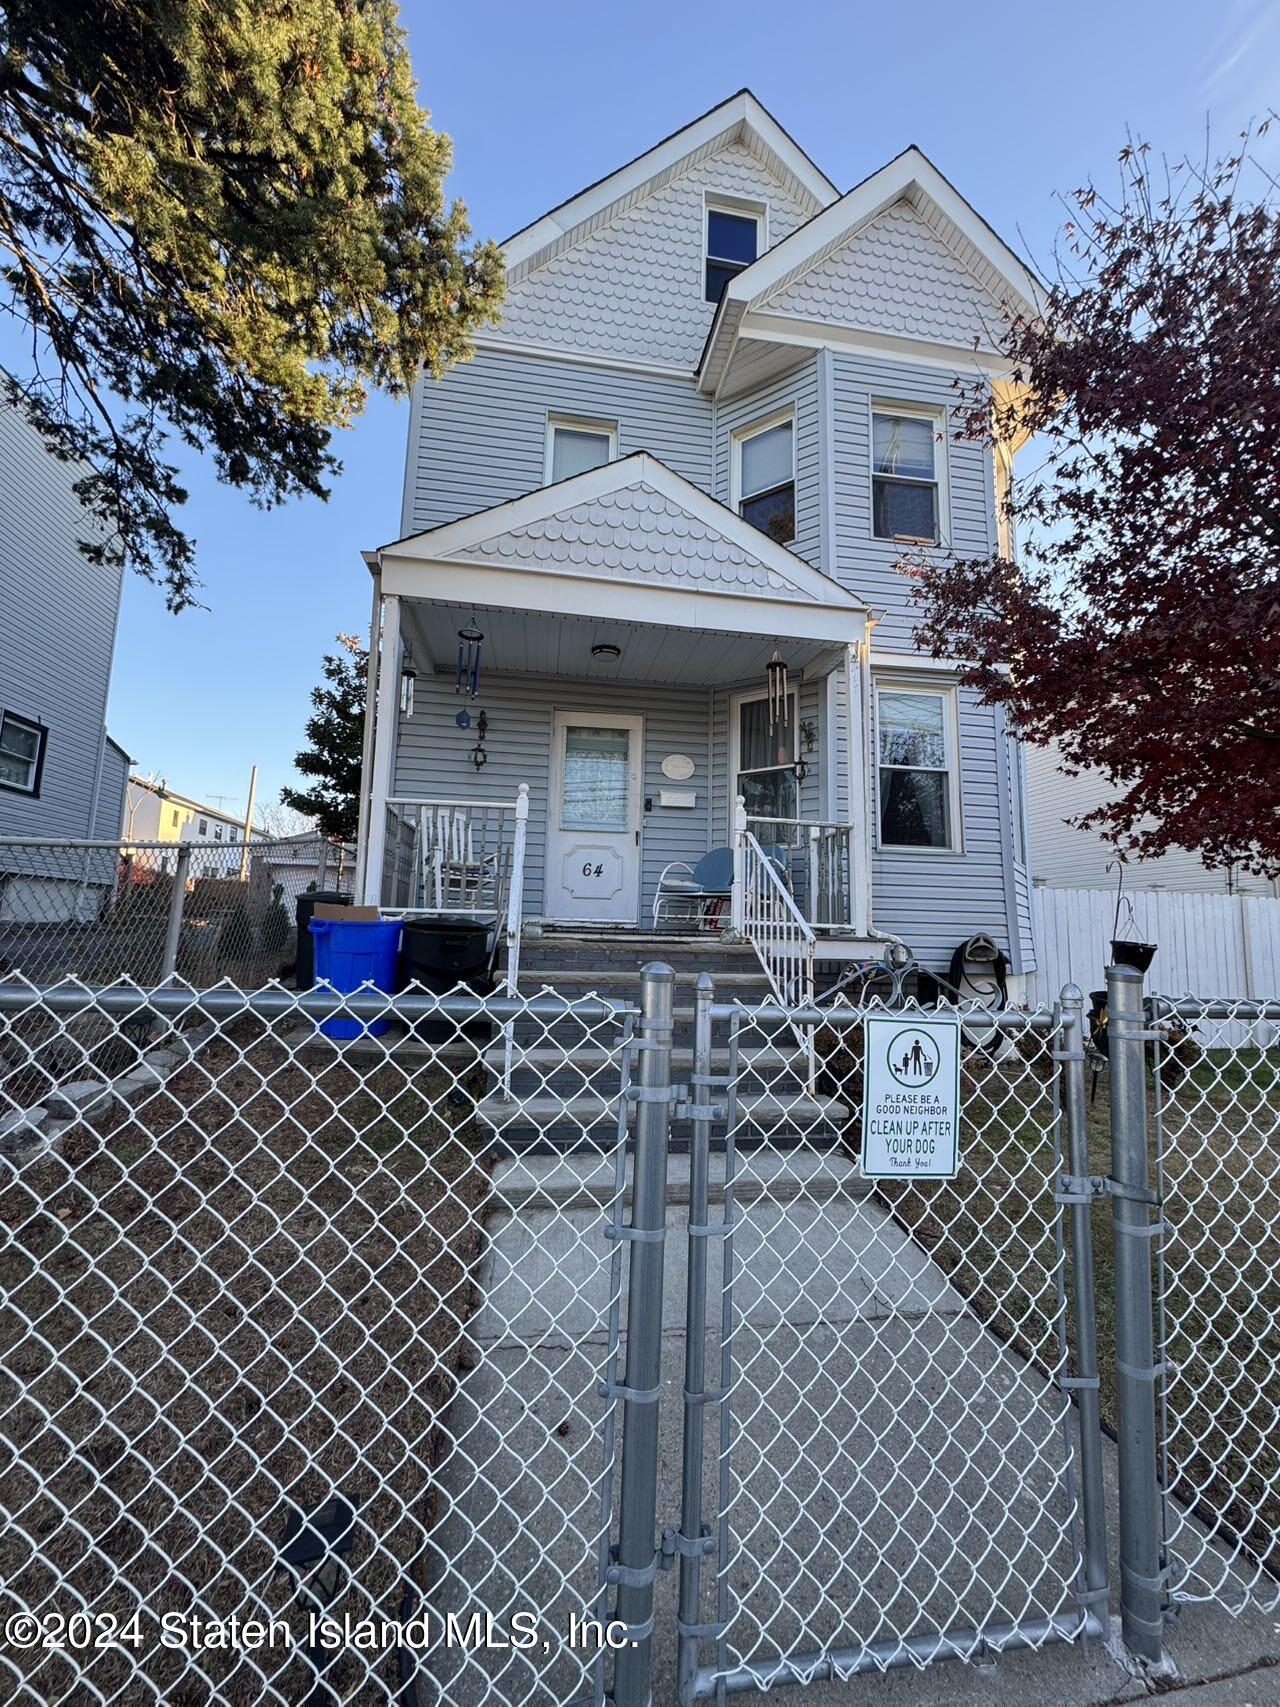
(649, 567)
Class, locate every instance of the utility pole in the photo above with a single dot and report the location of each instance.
(248, 825)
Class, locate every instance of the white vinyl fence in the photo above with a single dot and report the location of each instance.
(1227, 943)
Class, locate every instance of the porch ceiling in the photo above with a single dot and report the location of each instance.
(539, 643)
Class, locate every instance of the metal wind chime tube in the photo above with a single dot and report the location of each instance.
(470, 641)
(776, 676)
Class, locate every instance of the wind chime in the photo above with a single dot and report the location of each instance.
(779, 703)
(470, 641)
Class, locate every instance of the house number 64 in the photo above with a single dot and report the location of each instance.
(590, 870)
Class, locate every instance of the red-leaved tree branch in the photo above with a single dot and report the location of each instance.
(1141, 627)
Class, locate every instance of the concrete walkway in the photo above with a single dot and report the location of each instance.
(894, 1467)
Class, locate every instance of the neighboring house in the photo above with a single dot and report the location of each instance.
(153, 812)
(719, 408)
(61, 775)
(1068, 857)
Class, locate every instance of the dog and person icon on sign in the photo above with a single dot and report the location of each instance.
(918, 1062)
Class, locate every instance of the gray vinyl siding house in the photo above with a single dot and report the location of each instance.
(632, 586)
(56, 643)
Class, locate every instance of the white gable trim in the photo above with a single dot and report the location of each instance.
(741, 114)
(817, 335)
(911, 177)
(446, 542)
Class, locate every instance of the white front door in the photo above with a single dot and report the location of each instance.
(593, 838)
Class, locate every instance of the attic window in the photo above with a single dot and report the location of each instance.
(733, 242)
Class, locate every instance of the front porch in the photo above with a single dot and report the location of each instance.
(622, 721)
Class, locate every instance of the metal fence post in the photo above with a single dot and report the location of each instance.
(637, 1556)
(177, 900)
(1085, 1381)
(1141, 1583)
(695, 1344)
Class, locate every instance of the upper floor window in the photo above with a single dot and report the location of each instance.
(574, 445)
(21, 753)
(204, 827)
(177, 817)
(904, 475)
(765, 477)
(919, 795)
(732, 243)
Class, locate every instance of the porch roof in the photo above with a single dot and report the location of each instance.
(628, 543)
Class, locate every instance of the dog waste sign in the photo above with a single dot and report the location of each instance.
(911, 1098)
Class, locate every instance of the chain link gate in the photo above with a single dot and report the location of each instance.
(880, 1410)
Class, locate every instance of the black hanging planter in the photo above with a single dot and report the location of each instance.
(1139, 955)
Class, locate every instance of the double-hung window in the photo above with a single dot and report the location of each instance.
(575, 445)
(905, 457)
(764, 462)
(919, 799)
(21, 753)
(732, 243)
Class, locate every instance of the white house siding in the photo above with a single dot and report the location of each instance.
(56, 637)
(478, 436)
(863, 562)
(634, 286)
(1067, 857)
(433, 758)
(898, 276)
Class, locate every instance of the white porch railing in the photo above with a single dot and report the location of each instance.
(764, 912)
(820, 861)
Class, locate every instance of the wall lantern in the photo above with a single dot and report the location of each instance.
(470, 641)
(479, 757)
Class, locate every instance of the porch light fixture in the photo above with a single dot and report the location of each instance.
(605, 649)
(470, 641)
(776, 682)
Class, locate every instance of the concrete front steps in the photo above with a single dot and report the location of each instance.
(565, 1080)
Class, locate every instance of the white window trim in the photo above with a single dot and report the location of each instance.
(785, 416)
(576, 424)
(951, 736)
(741, 207)
(736, 702)
(939, 419)
(30, 791)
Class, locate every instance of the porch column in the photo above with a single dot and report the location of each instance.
(384, 750)
(857, 695)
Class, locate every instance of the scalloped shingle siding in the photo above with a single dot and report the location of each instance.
(634, 287)
(634, 534)
(894, 276)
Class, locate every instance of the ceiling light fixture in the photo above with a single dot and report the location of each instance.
(606, 649)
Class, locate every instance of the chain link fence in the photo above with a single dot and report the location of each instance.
(1216, 1109)
(334, 1369)
(281, 1354)
(148, 910)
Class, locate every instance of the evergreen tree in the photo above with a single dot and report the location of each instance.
(219, 222)
(335, 731)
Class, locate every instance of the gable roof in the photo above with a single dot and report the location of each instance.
(635, 521)
(909, 177)
(740, 118)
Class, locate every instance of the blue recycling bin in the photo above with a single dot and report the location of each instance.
(351, 953)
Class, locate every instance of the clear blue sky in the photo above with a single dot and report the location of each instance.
(1012, 104)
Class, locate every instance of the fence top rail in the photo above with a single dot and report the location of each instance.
(773, 1013)
(1214, 1007)
(275, 1001)
(129, 844)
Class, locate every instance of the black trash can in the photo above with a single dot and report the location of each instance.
(440, 954)
(304, 962)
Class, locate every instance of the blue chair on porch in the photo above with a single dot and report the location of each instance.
(698, 896)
